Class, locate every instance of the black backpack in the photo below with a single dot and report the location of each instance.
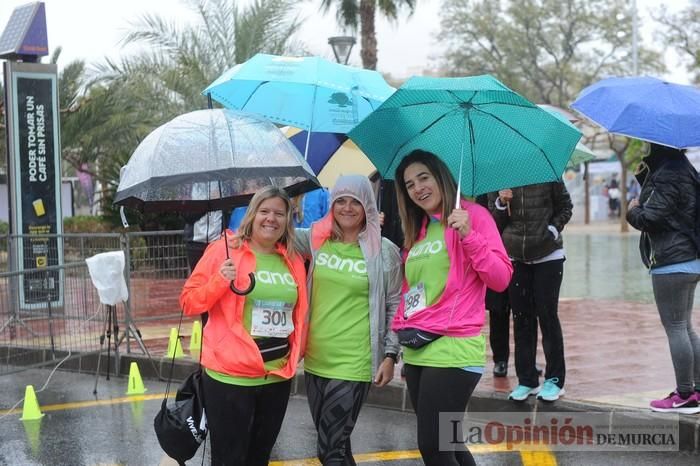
(180, 427)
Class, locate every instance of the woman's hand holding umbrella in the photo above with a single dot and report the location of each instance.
(228, 270)
(460, 221)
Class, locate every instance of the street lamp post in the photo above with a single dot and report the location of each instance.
(342, 46)
(635, 62)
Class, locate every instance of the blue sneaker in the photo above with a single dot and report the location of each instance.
(550, 390)
(521, 393)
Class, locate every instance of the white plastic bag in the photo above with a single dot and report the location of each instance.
(107, 274)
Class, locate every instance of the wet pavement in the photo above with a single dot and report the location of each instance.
(111, 429)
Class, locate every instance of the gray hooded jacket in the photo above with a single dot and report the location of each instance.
(381, 256)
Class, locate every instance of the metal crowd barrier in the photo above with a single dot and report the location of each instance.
(40, 328)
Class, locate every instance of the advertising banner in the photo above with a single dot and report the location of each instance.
(35, 177)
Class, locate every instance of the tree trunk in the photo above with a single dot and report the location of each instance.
(368, 34)
(586, 195)
(624, 226)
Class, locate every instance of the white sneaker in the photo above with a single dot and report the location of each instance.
(550, 390)
(521, 393)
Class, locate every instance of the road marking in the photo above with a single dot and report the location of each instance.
(539, 457)
(88, 404)
(480, 449)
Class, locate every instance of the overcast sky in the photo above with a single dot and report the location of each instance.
(92, 29)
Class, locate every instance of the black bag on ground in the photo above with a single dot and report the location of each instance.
(416, 338)
(181, 427)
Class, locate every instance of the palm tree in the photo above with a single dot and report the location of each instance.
(129, 98)
(182, 62)
(350, 11)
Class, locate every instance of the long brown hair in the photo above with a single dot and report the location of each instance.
(412, 215)
(245, 229)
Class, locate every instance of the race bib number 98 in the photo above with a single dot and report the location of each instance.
(271, 319)
(414, 300)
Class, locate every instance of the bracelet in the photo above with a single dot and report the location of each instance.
(393, 356)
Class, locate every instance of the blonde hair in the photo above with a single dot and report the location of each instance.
(411, 215)
(245, 229)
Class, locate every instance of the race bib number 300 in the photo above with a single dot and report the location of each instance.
(271, 319)
(414, 300)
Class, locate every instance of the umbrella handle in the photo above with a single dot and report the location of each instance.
(247, 290)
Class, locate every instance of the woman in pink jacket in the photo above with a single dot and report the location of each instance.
(452, 255)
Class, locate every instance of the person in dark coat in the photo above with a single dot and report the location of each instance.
(666, 214)
(531, 219)
(498, 305)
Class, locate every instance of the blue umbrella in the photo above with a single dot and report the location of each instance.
(644, 108)
(322, 146)
(305, 92)
(331, 155)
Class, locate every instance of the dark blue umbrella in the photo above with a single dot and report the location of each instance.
(322, 146)
(644, 108)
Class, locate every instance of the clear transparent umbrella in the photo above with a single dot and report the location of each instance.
(210, 160)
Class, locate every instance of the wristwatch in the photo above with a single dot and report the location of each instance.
(393, 356)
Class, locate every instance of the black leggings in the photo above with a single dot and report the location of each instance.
(244, 421)
(335, 406)
(534, 299)
(498, 305)
(435, 390)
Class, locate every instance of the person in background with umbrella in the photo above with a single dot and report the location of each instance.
(252, 342)
(306, 208)
(354, 288)
(614, 196)
(199, 231)
(666, 214)
(499, 319)
(531, 219)
(452, 254)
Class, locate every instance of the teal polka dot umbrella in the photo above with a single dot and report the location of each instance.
(490, 137)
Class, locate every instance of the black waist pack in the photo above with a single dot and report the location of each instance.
(272, 348)
(416, 338)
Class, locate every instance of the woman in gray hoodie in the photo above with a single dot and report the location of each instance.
(354, 289)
